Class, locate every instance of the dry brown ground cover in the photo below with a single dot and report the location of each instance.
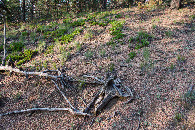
(160, 88)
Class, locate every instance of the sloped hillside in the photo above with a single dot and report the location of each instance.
(152, 52)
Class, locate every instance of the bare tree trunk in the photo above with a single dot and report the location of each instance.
(4, 46)
(175, 4)
(32, 9)
(23, 10)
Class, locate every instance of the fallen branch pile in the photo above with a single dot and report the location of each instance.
(111, 88)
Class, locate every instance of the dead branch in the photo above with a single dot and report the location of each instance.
(41, 74)
(63, 94)
(46, 109)
(111, 88)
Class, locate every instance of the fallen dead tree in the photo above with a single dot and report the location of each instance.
(111, 88)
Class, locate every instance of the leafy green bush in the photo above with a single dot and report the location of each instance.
(41, 46)
(16, 46)
(78, 46)
(56, 33)
(67, 21)
(43, 28)
(49, 49)
(132, 55)
(118, 16)
(119, 36)
(25, 33)
(79, 22)
(116, 29)
(21, 57)
(69, 37)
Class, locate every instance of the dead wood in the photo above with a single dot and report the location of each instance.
(46, 109)
(112, 88)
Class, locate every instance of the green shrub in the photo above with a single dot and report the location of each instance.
(41, 47)
(118, 36)
(116, 27)
(16, 46)
(169, 33)
(88, 54)
(21, 57)
(49, 49)
(78, 46)
(111, 67)
(118, 16)
(69, 37)
(79, 22)
(142, 40)
(110, 43)
(131, 56)
(25, 33)
(27, 55)
(67, 21)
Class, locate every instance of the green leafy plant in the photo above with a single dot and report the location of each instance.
(50, 49)
(26, 56)
(180, 59)
(131, 39)
(88, 54)
(41, 46)
(168, 33)
(102, 53)
(154, 26)
(64, 56)
(118, 16)
(78, 46)
(147, 63)
(78, 22)
(16, 46)
(178, 117)
(25, 33)
(172, 66)
(67, 21)
(116, 27)
(88, 35)
(111, 67)
(131, 55)
(69, 37)
(142, 40)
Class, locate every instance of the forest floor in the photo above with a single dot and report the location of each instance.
(160, 74)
